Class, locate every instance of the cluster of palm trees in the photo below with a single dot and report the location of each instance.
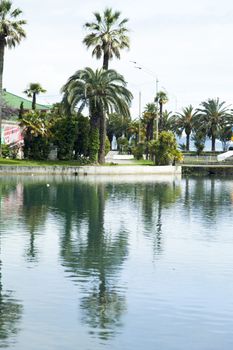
(212, 119)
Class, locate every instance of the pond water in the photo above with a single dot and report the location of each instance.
(123, 263)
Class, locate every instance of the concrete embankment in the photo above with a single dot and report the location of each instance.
(207, 170)
(91, 170)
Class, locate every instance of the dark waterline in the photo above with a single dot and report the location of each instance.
(128, 263)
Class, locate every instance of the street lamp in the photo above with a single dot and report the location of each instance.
(157, 90)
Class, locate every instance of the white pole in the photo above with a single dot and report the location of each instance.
(139, 111)
(157, 106)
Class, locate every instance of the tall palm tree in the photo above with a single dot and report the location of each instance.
(103, 92)
(11, 34)
(213, 116)
(185, 121)
(108, 35)
(149, 116)
(162, 99)
(33, 90)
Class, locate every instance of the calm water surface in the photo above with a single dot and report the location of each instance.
(116, 264)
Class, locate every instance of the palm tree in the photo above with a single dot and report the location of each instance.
(167, 121)
(102, 91)
(11, 34)
(149, 116)
(33, 90)
(161, 98)
(108, 35)
(213, 116)
(185, 121)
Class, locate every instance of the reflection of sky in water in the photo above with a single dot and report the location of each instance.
(101, 264)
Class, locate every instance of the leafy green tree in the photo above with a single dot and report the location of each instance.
(64, 134)
(33, 90)
(108, 35)
(162, 99)
(185, 121)
(103, 92)
(164, 150)
(11, 34)
(213, 116)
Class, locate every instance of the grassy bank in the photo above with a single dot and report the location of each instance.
(18, 162)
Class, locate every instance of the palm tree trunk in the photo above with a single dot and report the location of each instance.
(187, 141)
(160, 116)
(106, 61)
(34, 100)
(94, 134)
(213, 143)
(2, 49)
(102, 138)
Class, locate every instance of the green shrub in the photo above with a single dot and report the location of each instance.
(138, 151)
(164, 150)
(6, 151)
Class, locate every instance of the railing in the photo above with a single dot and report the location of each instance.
(202, 159)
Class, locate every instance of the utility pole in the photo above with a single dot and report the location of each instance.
(157, 110)
(139, 111)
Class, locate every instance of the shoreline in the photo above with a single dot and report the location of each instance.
(90, 170)
(85, 170)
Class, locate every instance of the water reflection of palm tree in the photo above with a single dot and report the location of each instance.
(95, 259)
(34, 213)
(10, 315)
(205, 199)
(156, 197)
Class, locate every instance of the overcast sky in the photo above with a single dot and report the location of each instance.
(187, 44)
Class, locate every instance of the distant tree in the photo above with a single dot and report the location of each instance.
(199, 138)
(149, 116)
(117, 125)
(108, 35)
(11, 34)
(162, 99)
(33, 90)
(213, 115)
(185, 122)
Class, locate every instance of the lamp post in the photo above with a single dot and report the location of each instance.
(157, 109)
(139, 111)
(157, 89)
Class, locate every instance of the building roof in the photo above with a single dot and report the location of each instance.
(15, 101)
